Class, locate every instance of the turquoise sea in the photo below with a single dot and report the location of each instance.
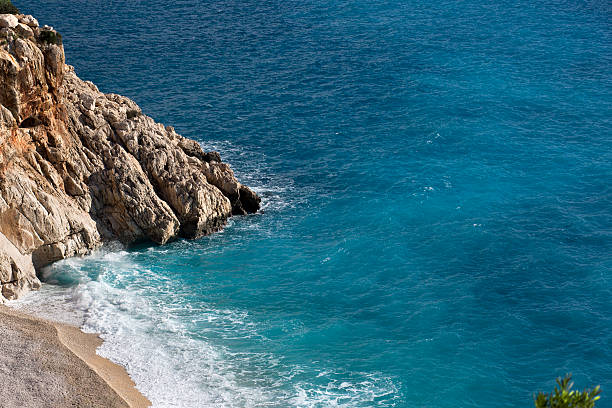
(437, 200)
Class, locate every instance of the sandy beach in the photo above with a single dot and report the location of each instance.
(48, 364)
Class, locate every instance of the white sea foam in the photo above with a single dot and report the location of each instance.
(370, 391)
(144, 335)
(149, 331)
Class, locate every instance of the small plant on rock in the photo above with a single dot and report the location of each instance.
(564, 397)
(50, 37)
(133, 113)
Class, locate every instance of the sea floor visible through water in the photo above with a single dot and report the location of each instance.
(436, 227)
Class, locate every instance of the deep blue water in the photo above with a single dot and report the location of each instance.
(436, 177)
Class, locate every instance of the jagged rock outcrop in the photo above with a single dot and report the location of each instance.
(78, 167)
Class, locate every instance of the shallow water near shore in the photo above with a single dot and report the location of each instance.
(437, 212)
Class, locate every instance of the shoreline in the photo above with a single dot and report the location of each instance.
(57, 364)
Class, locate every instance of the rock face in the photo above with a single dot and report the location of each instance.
(8, 20)
(79, 167)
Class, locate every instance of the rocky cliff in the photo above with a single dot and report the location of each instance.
(79, 167)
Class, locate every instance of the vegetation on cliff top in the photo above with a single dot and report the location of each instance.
(6, 7)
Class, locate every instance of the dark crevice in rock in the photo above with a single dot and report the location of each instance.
(30, 122)
(10, 282)
(14, 271)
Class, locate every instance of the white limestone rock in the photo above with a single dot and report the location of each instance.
(8, 21)
(79, 167)
(24, 31)
(28, 20)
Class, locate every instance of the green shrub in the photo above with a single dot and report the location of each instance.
(564, 397)
(50, 37)
(132, 113)
(6, 7)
